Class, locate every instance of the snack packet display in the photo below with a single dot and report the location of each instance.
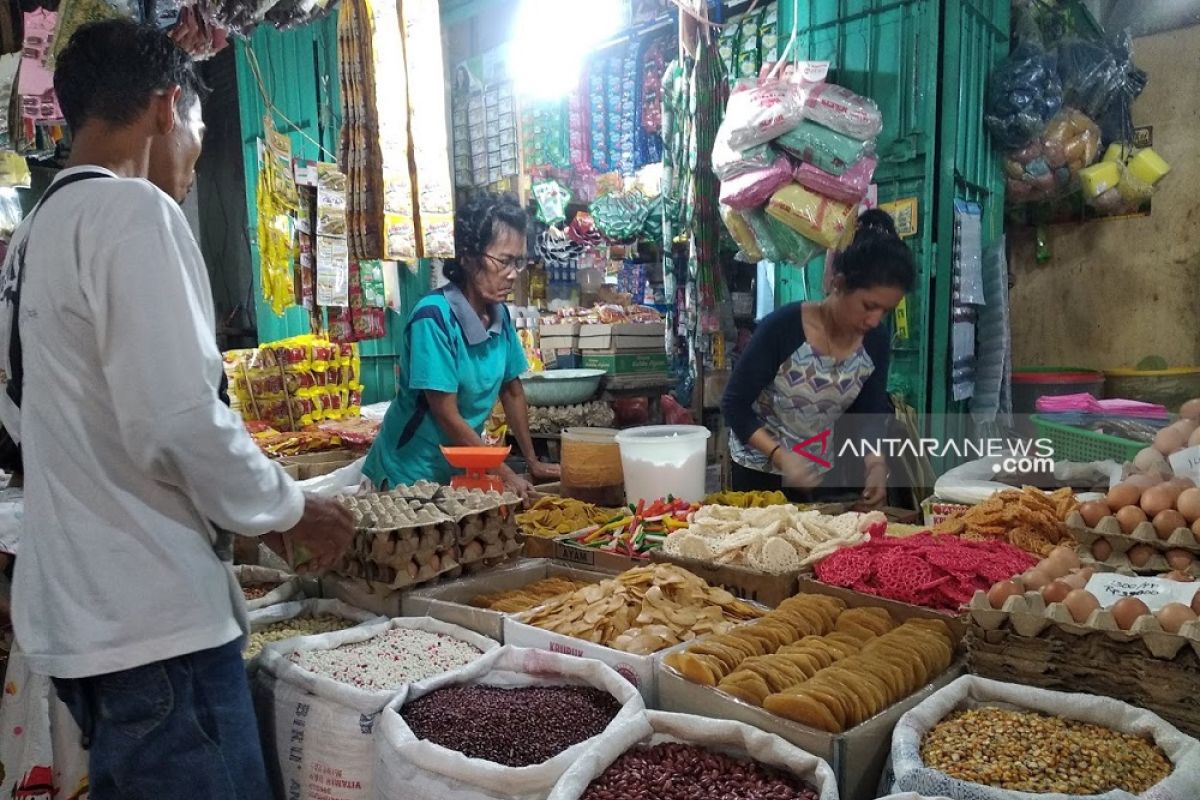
(840, 109)
(759, 112)
(755, 188)
(824, 148)
(293, 383)
(849, 187)
(819, 219)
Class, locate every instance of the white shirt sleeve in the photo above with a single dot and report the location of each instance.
(148, 292)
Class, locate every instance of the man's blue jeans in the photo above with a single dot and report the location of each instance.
(180, 729)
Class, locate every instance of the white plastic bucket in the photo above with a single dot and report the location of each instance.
(662, 460)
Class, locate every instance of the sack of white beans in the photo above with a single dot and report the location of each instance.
(271, 624)
(319, 698)
(679, 756)
(504, 728)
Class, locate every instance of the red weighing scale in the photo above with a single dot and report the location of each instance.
(476, 461)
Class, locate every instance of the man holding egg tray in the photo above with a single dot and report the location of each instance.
(131, 459)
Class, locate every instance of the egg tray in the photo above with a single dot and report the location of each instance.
(1157, 565)
(1110, 530)
(1094, 665)
(1029, 615)
(395, 549)
(417, 506)
(402, 572)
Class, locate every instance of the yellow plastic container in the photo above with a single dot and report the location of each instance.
(1148, 166)
(1099, 178)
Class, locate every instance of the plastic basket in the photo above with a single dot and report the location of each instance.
(1084, 446)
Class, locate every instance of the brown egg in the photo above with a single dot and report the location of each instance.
(1101, 550)
(1196, 528)
(1079, 579)
(1196, 603)
(1188, 504)
(1167, 522)
(1062, 560)
(1056, 591)
(1149, 460)
(1185, 426)
(1169, 440)
(1127, 610)
(1144, 482)
(1036, 578)
(1182, 483)
(1095, 510)
(1190, 410)
(1081, 604)
(1179, 559)
(1178, 577)
(1001, 591)
(1194, 439)
(1174, 616)
(1122, 495)
(1130, 517)
(1140, 554)
(1156, 500)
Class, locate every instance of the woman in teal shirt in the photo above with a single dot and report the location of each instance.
(463, 353)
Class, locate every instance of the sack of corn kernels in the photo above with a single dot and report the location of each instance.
(504, 728)
(323, 695)
(979, 739)
(684, 756)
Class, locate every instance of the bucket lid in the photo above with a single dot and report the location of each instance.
(650, 433)
(598, 435)
(1057, 375)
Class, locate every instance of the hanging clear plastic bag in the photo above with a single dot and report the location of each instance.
(1049, 166)
(1024, 92)
(758, 112)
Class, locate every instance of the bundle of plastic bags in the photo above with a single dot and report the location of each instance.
(795, 158)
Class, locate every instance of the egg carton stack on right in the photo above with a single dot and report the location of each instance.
(1141, 552)
(416, 534)
(1029, 615)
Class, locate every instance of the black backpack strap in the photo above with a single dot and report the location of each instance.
(16, 366)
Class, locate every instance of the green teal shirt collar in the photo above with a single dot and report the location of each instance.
(468, 320)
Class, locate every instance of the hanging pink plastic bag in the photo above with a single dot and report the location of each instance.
(819, 219)
(849, 187)
(758, 113)
(753, 189)
(844, 111)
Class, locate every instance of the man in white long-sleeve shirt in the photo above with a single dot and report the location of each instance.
(131, 460)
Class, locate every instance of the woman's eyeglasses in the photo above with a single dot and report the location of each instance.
(514, 263)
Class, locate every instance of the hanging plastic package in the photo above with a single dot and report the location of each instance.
(849, 187)
(1049, 167)
(1024, 92)
(552, 199)
(753, 189)
(844, 111)
(819, 219)
(729, 163)
(758, 113)
(743, 235)
(779, 243)
(826, 149)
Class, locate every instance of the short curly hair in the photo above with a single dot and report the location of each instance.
(476, 226)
